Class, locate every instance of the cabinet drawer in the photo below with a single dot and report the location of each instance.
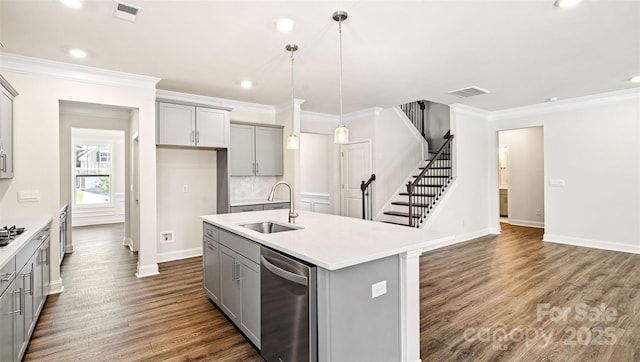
(276, 206)
(242, 246)
(7, 274)
(246, 208)
(210, 231)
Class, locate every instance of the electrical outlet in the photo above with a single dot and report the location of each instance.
(166, 237)
(185, 188)
(538, 212)
(378, 289)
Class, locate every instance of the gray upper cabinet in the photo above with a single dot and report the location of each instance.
(191, 126)
(7, 94)
(256, 150)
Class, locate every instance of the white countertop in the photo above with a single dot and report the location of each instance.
(31, 225)
(329, 241)
(254, 202)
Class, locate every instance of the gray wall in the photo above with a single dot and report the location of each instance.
(438, 120)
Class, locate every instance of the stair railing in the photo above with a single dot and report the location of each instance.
(440, 167)
(415, 111)
(364, 187)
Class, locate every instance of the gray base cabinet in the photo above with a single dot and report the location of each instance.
(236, 273)
(23, 299)
(211, 262)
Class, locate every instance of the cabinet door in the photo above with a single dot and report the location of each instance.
(6, 134)
(46, 269)
(24, 317)
(269, 151)
(211, 127)
(176, 124)
(250, 299)
(242, 150)
(211, 275)
(229, 283)
(7, 320)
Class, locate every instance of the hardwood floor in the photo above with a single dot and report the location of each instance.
(480, 288)
(105, 313)
(514, 283)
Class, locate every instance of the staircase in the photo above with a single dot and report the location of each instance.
(424, 189)
(412, 206)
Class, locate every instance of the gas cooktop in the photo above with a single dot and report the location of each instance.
(8, 233)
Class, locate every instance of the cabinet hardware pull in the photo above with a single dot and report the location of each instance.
(6, 278)
(192, 137)
(30, 290)
(19, 293)
(4, 162)
(197, 137)
(257, 168)
(236, 271)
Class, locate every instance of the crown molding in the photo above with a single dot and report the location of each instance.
(284, 106)
(367, 112)
(219, 103)
(318, 117)
(567, 104)
(50, 68)
(458, 108)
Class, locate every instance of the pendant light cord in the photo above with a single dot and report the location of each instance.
(340, 34)
(293, 104)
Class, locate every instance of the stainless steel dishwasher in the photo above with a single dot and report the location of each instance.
(288, 308)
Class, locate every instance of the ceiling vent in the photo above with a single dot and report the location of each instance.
(468, 92)
(126, 11)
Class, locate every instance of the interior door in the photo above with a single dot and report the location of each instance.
(356, 167)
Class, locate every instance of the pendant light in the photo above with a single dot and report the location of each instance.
(292, 141)
(341, 134)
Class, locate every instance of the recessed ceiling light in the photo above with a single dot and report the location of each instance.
(635, 79)
(75, 4)
(553, 99)
(78, 53)
(566, 3)
(285, 25)
(246, 84)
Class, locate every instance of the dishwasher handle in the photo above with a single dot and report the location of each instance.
(298, 279)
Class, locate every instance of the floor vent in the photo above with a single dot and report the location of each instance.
(126, 11)
(468, 92)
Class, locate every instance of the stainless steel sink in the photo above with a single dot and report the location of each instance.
(269, 227)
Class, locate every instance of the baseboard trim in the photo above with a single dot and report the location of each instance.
(591, 243)
(179, 254)
(147, 270)
(128, 242)
(457, 239)
(527, 223)
(56, 287)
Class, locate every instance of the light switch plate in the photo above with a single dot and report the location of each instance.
(558, 183)
(29, 195)
(378, 289)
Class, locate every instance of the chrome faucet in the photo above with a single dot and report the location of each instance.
(292, 213)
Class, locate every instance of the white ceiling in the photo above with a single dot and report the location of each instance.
(524, 52)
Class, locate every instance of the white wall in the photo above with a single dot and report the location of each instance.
(186, 189)
(397, 153)
(36, 149)
(526, 175)
(464, 210)
(591, 144)
(316, 172)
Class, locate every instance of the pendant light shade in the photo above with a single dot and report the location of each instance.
(292, 141)
(341, 134)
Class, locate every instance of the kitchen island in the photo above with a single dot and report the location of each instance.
(367, 279)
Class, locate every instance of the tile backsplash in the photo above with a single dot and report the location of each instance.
(250, 187)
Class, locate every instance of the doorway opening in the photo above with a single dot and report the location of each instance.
(96, 167)
(521, 176)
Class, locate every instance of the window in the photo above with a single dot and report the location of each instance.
(92, 174)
